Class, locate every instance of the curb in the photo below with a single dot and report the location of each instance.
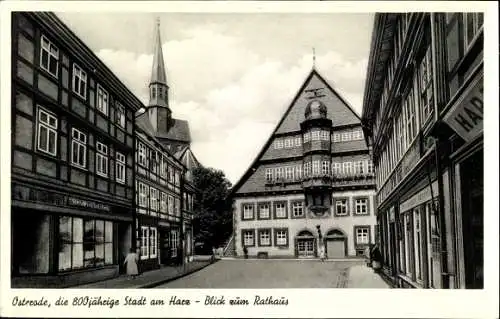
(164, 281)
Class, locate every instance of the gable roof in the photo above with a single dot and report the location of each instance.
(250, 170)
(178, 131)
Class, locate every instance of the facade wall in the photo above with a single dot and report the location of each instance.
(434, 129)
(295, 225)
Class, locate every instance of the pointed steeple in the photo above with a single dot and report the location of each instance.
(158, 108)
(158, 74)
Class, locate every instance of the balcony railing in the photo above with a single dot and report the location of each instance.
(334, 178)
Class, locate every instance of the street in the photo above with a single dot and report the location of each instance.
(277, 274)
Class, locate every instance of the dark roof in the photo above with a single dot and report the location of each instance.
(178, 131)
(249, 171)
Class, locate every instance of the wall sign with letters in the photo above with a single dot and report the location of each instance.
(466, 115)
(421, 197)
(72, 201)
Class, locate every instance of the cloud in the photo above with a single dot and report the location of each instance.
(232, 97)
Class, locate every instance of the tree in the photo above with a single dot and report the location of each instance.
(212, 222)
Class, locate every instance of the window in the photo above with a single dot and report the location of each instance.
(298, 209)
(248, 239)
(164, 167)
(298, 141)
(281, 237)
(325, 168)
(153, 92)
(144, 242)
(120, 168)
(47, 132)
(307, 169)
(177, 206)
(102, 159)
(336, 137)
(278, 143)
(280, 210)
(170, 204)
(49, 56)
(347, 168)
(307, 137)
(174, 242)
(298, 172)
(346, 136)
(289, 170)
(177, 179)
(78, 148)
(142, 154)
(102, 100)
(120, 115)
(143, 195)
(315, 136)
(341, 207)
(248, 211)
(84, 243)
(425, 83)
(264, 237)
(361, 206)
(288, 143)
(408, 242)
(153, 162)
(279, 173)
(418, 244)
(325, 135)
(359, 167)
(153, 199)
(163, 202)
(362, 235)
(411, 121)
(153, 242)
(315, 168)
(472, 24)
(337, 169)
(264, 211)
(79, 81)
(269, 174)
(357, 135)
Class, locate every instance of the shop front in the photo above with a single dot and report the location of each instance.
(61, 240)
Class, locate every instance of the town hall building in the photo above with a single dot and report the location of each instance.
(312, 183)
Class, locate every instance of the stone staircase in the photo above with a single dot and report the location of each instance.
(229, 249)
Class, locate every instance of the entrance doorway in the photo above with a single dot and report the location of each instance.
(472, 219)
(336, 244)
(164, 246)
(305, 245)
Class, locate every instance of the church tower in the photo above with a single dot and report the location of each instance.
(158, 108)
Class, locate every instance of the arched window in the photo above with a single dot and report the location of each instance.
(335, 233)
(153, 92)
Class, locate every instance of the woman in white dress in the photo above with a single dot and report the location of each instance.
(131, 262)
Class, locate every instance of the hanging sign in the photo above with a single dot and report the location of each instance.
(466, 115)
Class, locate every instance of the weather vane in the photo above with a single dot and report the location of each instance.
(314, 57)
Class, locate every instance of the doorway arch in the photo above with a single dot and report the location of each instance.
(336, 243)
(305, 244)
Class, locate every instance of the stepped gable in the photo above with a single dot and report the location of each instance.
(338, 110)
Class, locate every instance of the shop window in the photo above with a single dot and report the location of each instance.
(408, 243)
(47, 132)
(418, 244)
(84, 243)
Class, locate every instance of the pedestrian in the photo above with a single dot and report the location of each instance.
(368, 255)
(245, 252)
(322, 252)
(131, 262)
(376, 258)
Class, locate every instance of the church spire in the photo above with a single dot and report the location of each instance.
(158, 74)
(159, 112)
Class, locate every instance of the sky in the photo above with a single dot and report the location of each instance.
(231, 75)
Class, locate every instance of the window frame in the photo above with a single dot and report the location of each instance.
(275, 209)
(245, 231)
(259, 206)
(102, 100)
(82, 78)
(120, 115)
(101, 159)
(144, 242)
(335, 206)
(81, 145)
(287, 237)
(120, 167)
(142, 151)
(356, 235)
(243, 211)
(49, 129)
(294, 208)
(153, 199)
(366, 205)
(261, 231)
(153, 242)
(51, 45)
(143, 195)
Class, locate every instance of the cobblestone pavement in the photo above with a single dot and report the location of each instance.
(269, 274)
